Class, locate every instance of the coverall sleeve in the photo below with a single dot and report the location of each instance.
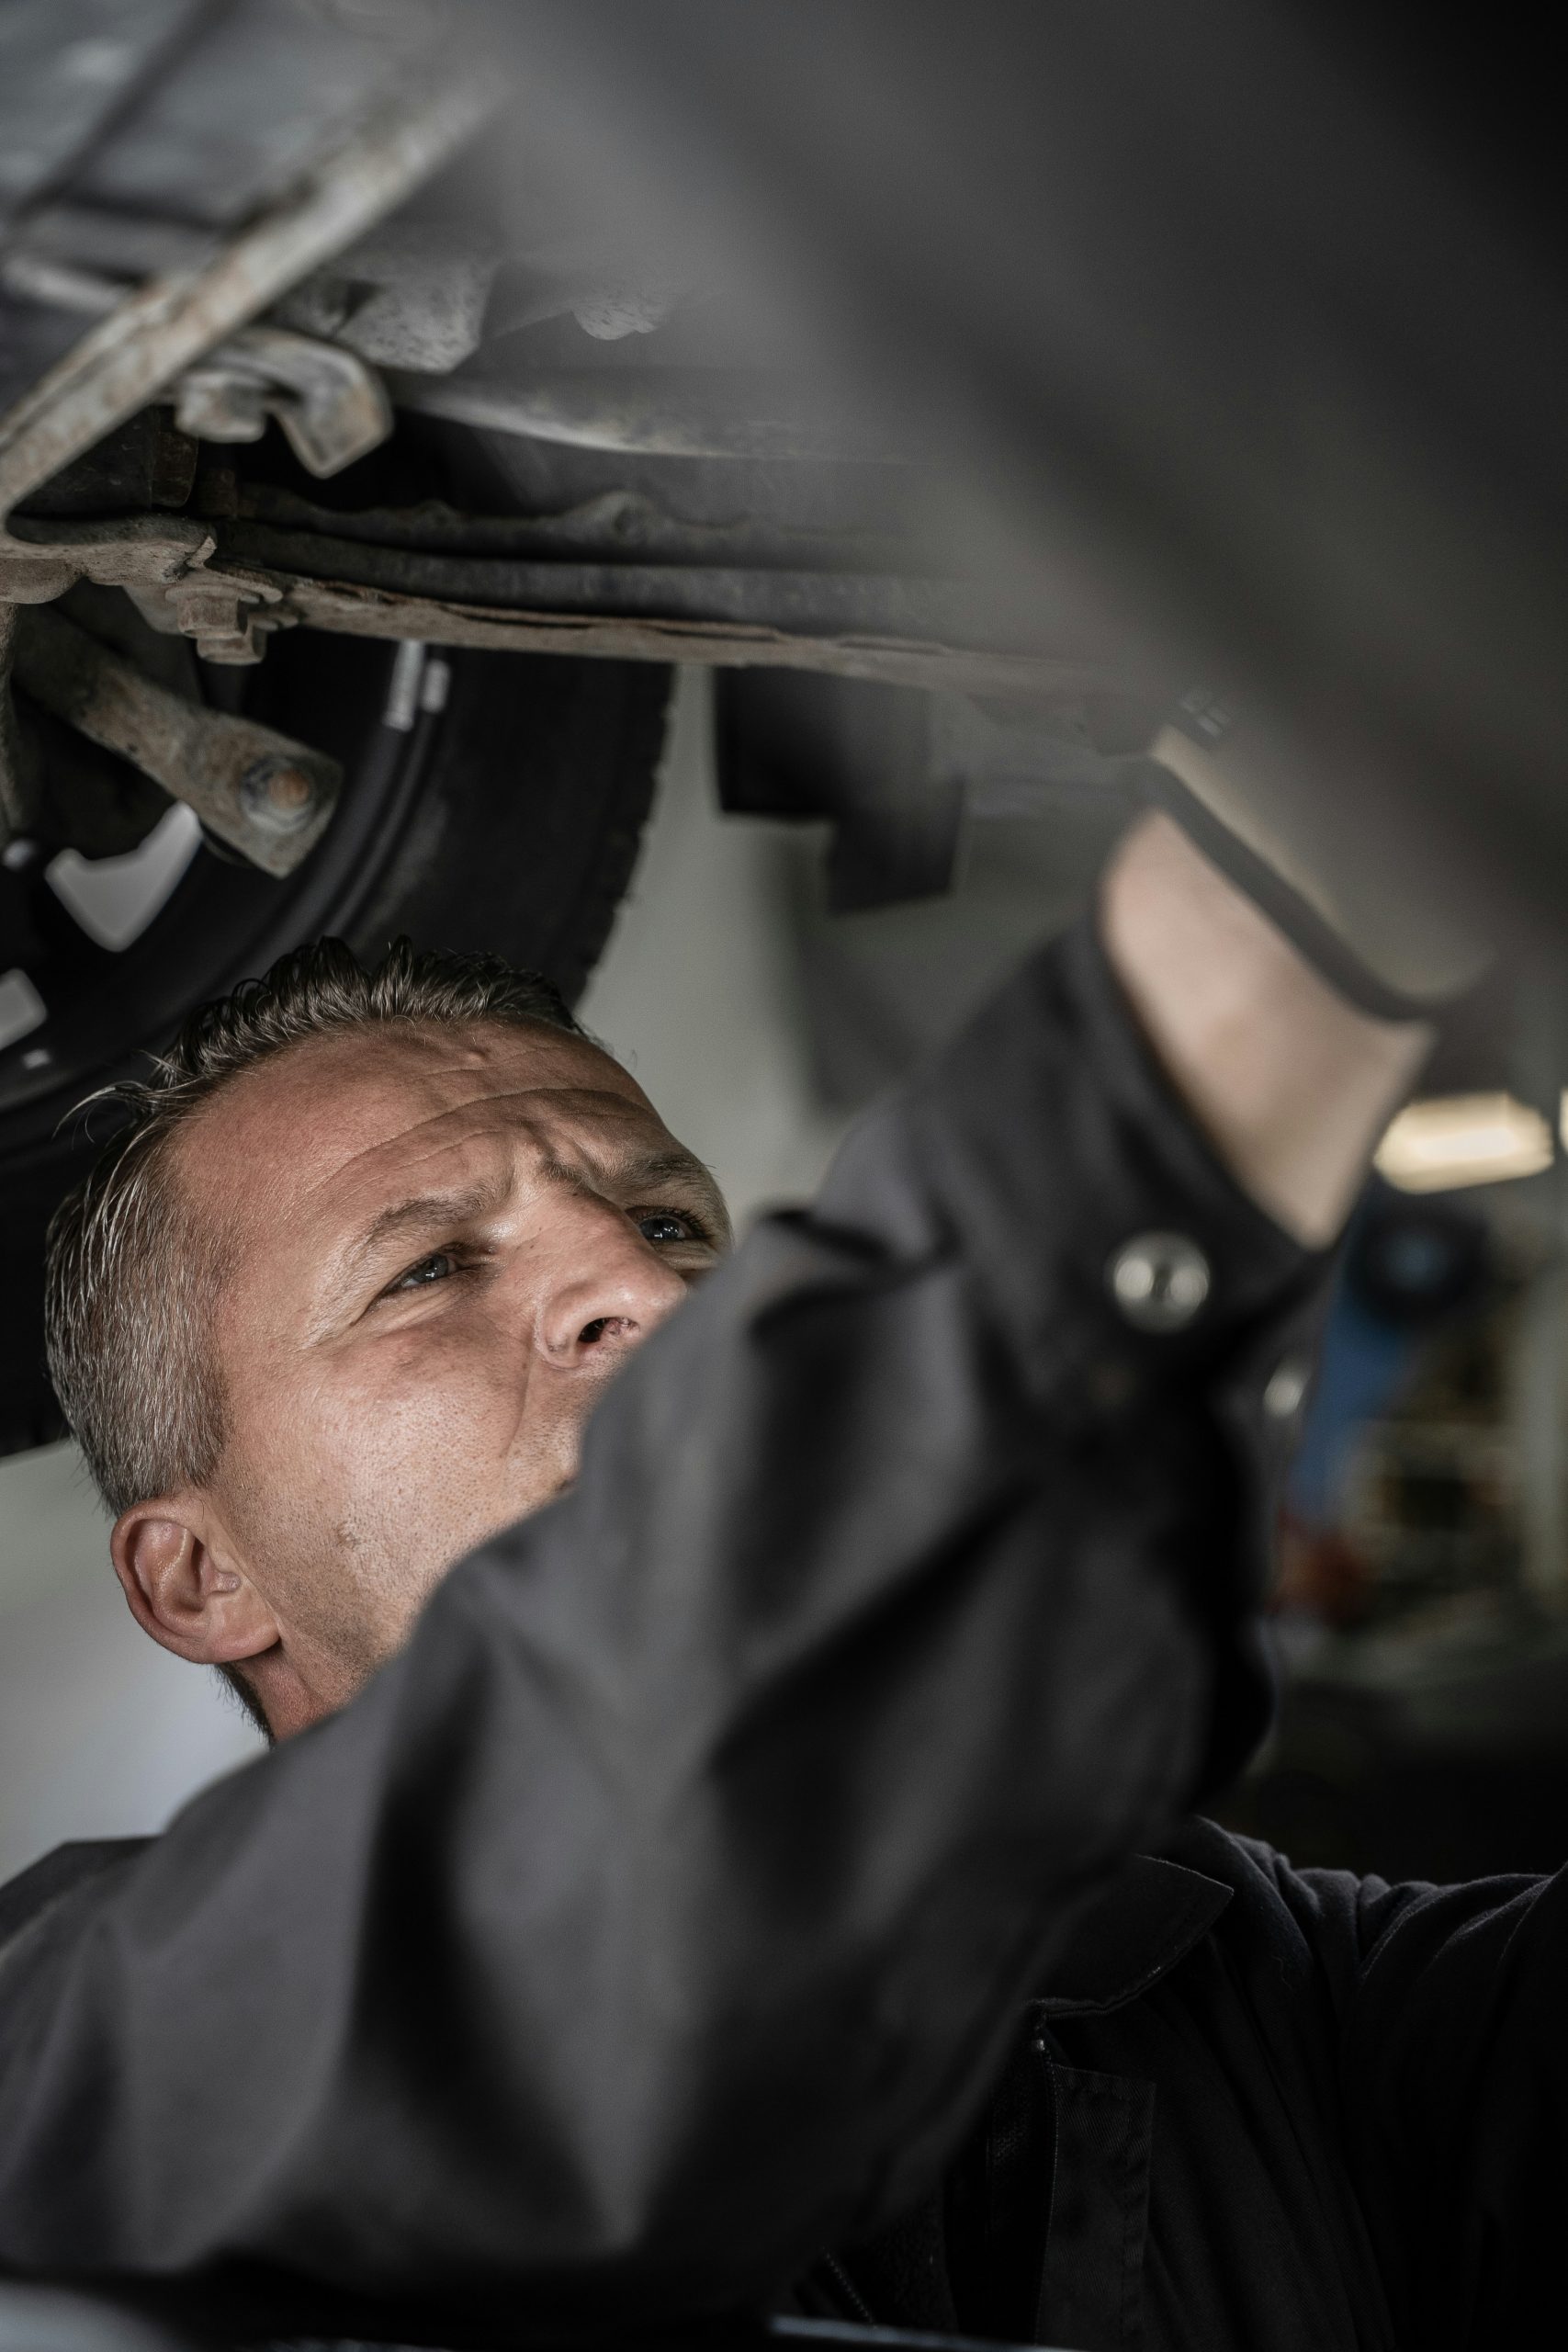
(1452, 2006)
(658, 1913)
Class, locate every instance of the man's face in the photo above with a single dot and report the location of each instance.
(442, 1246)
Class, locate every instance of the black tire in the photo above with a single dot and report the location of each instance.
(508, 820)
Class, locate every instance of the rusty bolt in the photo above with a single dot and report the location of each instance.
(279, 792)
(220, 619)
(288, 790)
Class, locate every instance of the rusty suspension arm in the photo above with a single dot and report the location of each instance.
(267, 796)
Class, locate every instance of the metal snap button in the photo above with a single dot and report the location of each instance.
(1159, 1280)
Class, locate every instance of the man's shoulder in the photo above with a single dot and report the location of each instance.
(33, 1890)
(1313, 1915)
(1205, 1886)
(1289, 1928)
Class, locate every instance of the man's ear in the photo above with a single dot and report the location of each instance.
(183, 1584)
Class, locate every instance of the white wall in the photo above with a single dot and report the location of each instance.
(102, 1733)
(697, 994)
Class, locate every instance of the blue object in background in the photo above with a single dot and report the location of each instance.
(1364, 1363)
(1409, 1267)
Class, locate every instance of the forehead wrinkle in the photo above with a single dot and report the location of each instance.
(417, 1062)
(435, 1147)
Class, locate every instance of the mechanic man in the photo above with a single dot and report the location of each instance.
(762, 1810)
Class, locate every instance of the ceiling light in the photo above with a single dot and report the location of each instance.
(1454, 1140)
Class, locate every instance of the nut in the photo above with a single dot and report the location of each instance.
(279, 792)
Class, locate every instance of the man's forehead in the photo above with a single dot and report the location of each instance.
(338, 1114)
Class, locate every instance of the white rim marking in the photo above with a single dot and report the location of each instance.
(115, 899)
(22, 1010)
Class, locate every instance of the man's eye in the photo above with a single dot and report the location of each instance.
(663, 1226)
(437, 1267)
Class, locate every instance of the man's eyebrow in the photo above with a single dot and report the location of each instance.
(418, 1213)
(675, 1165)
(427, 1208)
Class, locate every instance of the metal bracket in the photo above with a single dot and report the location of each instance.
(331, 407)
(159, 560)
(229, 622)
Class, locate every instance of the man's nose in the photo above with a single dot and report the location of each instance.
(608, 1291)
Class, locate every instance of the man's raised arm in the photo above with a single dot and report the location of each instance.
(653, 1917)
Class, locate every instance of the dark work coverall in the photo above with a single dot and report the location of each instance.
(668, 1910)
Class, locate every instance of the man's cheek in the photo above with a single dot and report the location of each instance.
(413, 1382)
(319, 1452)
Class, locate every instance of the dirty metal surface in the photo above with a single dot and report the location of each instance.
(666, 412)
(180, 581)
(814, 603)
(614, 526)
(129, 357)
(366, 612)
(410, 294)
(66, 68)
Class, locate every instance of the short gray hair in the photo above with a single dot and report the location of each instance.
(132, 1281)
